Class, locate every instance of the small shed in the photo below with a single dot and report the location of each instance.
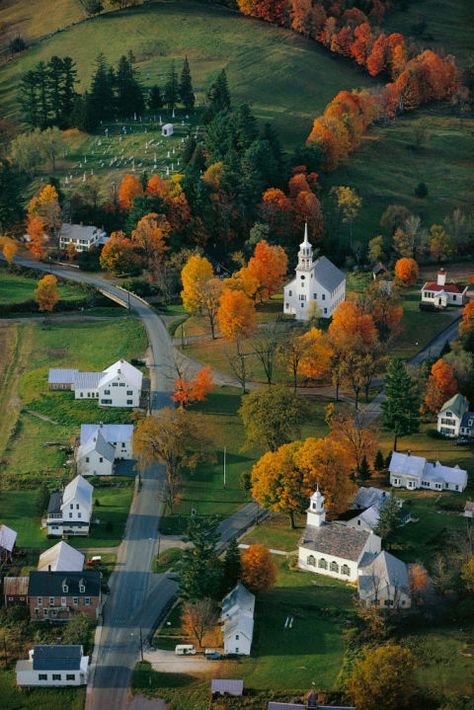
(15, 590)
(379, 271)
(7, 543)
(226, 686)
(167, 130)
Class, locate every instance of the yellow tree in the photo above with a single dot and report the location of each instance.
(45, 204)
(349, 204)
(268, 266)
(258, 568)
(383, 678)
(236, 315)
(316, 354)
(9, 249)
(201, 290)
(47, 294)
(358, 440)
(150, 238)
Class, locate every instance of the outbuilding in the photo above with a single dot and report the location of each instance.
(167, 130)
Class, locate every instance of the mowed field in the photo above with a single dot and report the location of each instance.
(287, 79)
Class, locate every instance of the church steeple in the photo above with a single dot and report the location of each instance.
(305, 254)
(316, 513)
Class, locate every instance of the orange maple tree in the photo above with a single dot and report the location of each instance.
(129, 188)
(441, 385)
(268, 267)
(36, 231)
(236, 315)
(119, 255)
(194, 390)
(466, 326)
(150, 238)
(418, 580)
(407, 271)
(258, 568)
(47, 294)
(316, 352)
(350, 323)
(10, 249)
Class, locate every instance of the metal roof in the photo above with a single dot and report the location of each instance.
(328, 275)
(436, 472)
(61, 558)
(15, 586)
(80, 491)
(238, 599)
(55, 500)
(407, 464)
(367, 497)
(336, 539)
(129, 373)
(458, 404)
(79, 231)
(7, 537)
(226, 685)
(383, 571)
(60, 376)
(99, 444)
(57, 658)
(50, 584)
(87, 380)
(111, 432)
(369, 516)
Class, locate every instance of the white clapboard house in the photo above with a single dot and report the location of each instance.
(316, 282)
(442, 293)
(407, 471)
(101, 445)
(70, 510)
(119, 385)
(237, 611)
(53, 666)
(384, 581)
(82, 237)
(451, 414)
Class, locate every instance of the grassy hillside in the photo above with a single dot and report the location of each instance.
(37, 18)
(448, 25)
(386, 169)
(286, 78)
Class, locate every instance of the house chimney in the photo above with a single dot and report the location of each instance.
(49, 568)
(441, 277)
(409, 452)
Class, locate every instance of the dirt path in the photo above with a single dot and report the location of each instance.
(41, 416)
(168, 662)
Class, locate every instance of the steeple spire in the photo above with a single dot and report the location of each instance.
(305, 254)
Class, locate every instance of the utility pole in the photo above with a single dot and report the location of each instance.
(225, 452)
(141, 643)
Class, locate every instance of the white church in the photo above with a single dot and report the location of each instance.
(317, 282)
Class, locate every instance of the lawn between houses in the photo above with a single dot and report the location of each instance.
(15, 698)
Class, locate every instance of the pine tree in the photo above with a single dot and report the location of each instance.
(42, 499)
(401, 407)
(232, 565)
(55, 82)
(364, 470)
(270, 135)
(201, 572)
(68, 94)
(41, 73)
(186, 92)
(171, 88)
(11, 209)
(28, 99)
(218, 97)
(155, 99)
(379, 463)
(389, 519)
(100, 100)
(189, 148)
(129, 96)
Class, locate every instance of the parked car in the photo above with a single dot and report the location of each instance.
(185, 649)
(95, 561)
(212, 655)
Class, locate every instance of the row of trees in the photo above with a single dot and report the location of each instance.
(47, 93)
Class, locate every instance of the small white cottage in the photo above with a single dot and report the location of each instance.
(384, 582)
(334, 549)
(237, 620)
(69, 511)
(416, 472)
(317, 282)
(53, 666)
(61, 558)
(167, 130)
(441, 293)
(451, 414)
(101, 445)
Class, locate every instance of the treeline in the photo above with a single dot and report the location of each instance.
(48, 95)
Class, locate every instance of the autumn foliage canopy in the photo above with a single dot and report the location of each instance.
(258, 569)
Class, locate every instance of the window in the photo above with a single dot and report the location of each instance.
(123, 444)
(129, 401)
(70, 515)
(101, 459)
(51, 601)
(236, 649)
(302, 297)
(454, 298)
(106, 391)
(82, 588)
(42, 676)
(114, 384)
(57, 676)
(325, 310)
(87, 459)
(65, 588)
(334, 567)
(345, 569)
(236, 637)
(388, 602)
(63, 601)
(71, 505)
(39, 601)
(129, 392)
(311, 561)
(303, 277)
(75, 601)
(79, 515)
(87, 601)
(315, 296)
(45, 611)
(287, 305)
(77, 506)
(121, 384)
(70, 676)
(290, 293)
(106, 401)
(82, 394)
(322, 563)
(324, 296)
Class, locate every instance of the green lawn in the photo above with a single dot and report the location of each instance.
(286, 78)
(275, 533)
(447, 25)
(17, 508)
(16, 289)
(12, 698)
(203, 488)
(385, 170)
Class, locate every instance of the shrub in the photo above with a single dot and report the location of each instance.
(421, 190)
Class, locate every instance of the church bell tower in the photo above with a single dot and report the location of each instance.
(316, 514)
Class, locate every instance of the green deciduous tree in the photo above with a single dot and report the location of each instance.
(271, 417)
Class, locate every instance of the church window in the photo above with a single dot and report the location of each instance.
(324, 296)
(303, 277)
(345, 569)
(290, 293)
(322, 563)
(311, 561)
(315, 296)
(302, 305)
(334, 567)
(325, 310)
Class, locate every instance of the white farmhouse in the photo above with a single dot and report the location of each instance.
(61, 558)
(334, 549)
(69, 511)
(416, 472)
(443, 294)
(318, 282)
(450, 415)
(53, 666)
(119, 385)
(384, 581)
(101, 445)
(237, 618)
(82, 237)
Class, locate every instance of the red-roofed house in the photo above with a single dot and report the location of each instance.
(442, 293)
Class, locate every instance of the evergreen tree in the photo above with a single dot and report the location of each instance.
(269, 134)
(218, 97)
(155, 99)
(401, 407)
(42, 499)
(189, 148)
(232, 566)
(11, 210)
(245, 127)
(171, 88)
(186, 92)
(364, 470)
(28, 99)
(100, 100)
(68, 93)
(43, 95)
(201, 572)
(379, 463)
(129, 93)
(389, 519)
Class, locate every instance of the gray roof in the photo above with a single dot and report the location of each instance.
(367, 497)
(468, 421)
(50, 584)
(328, 275)
(382, 571)
(407, 465)
(438, 473)
(226, 685)
(336, 539)
(61, 558)
(99, 444)
(241, 623)
(239, 598)
(87, 380)
(60, 376)
(55, 500)
(7, 537)
(457, 404)
(80, 231)
(111, 432)
(57, 658)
